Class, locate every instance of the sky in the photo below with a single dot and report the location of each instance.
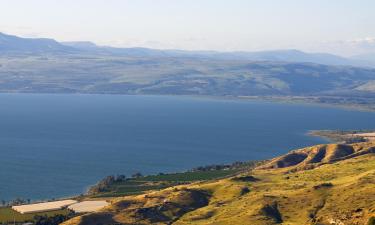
(344, 27)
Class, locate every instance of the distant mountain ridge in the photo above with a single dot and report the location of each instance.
(47, 66)
(10, 43)
(369, 58)
(287, 55)
(80, 44)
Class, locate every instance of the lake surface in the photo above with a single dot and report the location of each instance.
(57, 145)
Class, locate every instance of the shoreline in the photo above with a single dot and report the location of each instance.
(288, 99)
(86, 195)
(342, 136)
(272, 99)
(331, 136)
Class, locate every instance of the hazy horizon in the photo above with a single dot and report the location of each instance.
(341, 27)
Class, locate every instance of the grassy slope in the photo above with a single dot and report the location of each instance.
(298, 201)
(279, 195)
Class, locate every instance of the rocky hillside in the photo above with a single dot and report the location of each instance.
(324, 184)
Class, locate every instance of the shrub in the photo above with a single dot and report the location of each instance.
(371, 221)
(244, 190)
(245, 179)
(323, 185)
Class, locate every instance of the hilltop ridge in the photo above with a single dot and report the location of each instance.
(12, 43)
(311, 157)
(323, 184)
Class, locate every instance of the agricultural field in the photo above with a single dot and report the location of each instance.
(8, 215)
(158, 182)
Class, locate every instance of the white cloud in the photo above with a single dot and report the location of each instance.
(366, 40)
(348, 47)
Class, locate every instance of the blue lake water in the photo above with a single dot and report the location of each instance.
(57, 145)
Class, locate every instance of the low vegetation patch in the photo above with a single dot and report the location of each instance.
(245, 179)
(371, 221)
(8, 215)
(133, 186)
(115, 186)
(323, 185)
(244, 190)
(272, 211)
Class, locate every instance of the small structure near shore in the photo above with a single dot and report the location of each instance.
(88, 206)
(43, 207)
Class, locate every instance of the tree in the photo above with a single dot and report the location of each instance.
(52, 220)
(18, 201)
(137, 175)
(120, 178)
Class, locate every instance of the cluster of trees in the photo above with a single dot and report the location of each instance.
(17, 201)
(354, 139)
(106, 183)
(210, 167)
(235, 165)
(52, 220)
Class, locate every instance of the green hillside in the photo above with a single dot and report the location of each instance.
(324, 184)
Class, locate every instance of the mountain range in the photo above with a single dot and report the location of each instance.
(46, 66)
(10, 43)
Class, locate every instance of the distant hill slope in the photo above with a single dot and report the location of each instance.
(46, 66)
(288, 55)
(179, 76)
(10, 43)
(337, 188)
(369, 58)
